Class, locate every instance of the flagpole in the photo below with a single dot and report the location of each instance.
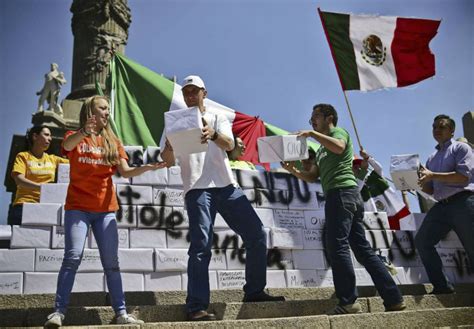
(352, 119)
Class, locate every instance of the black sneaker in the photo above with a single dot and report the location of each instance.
(262, 297)
(201, 316)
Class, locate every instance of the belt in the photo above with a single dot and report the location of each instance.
(456, 196)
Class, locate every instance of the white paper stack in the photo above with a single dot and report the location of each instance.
(153, 216)
(41, 214)
(152, 154)
(5, 232)
(314, 219)
(53, 193)
(174, 176)
(63, 173)
(183, 130)
(152, 177)
(282, 148)
(135, 155)
(230, 279)
(11, 283)
(30, 237)
(287, 238)
(143, 238)
(163, 281)
(134, 194)
(127, 216)
(17, 260)
(40, 282)
(171, 260)
(302, 279)
(404, 171)
(136, 260)
(376, 220)
(288, 218)
(309, 259)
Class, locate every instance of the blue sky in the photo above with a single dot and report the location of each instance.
(261, 57)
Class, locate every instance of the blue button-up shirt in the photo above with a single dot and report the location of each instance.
(452, 156)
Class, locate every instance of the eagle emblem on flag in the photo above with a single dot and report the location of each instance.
(373, 51)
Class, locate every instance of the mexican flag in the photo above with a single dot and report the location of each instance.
(378, 196)
(373, 52)
(140, 97)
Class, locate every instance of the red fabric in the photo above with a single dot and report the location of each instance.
(411, 52)
(249, 129)
(394, 221)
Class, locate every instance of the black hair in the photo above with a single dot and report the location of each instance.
(327, 110)
(29, 135)
(451, 122)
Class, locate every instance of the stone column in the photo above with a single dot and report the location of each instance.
(100, 27)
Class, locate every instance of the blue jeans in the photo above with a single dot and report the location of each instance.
(233, 205)
(344, 211)
(104, 227)
(457, 215)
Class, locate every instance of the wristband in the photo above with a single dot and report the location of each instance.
(214, 137)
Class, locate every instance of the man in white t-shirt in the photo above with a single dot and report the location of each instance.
(210, 187)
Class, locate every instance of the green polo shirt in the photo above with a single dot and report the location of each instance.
(335, 170)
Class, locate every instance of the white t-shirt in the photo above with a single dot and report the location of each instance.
(211, 168)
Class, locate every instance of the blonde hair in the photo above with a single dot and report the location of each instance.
(111, 156)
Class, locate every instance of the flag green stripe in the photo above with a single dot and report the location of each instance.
(337, 30)
(141, 98)
(374, 186)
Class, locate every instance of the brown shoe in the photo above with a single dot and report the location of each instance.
(397, 307)
(201, 316)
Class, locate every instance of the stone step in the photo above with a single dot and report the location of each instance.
(217, 296)
(228, 311)
(462, 317)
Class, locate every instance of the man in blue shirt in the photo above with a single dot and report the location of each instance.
(449, 177)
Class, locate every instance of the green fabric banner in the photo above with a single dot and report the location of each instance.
(139, 99)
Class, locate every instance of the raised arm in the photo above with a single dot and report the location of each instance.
(308, 176)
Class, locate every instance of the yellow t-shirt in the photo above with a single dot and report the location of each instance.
(41, 171)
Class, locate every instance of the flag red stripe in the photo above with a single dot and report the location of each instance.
(394, 221)
(249, 129)
(411, 53)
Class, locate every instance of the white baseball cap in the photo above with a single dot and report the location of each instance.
(193, 80)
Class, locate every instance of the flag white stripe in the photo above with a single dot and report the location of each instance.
(370, 76)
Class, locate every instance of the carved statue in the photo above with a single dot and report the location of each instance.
(53, 81)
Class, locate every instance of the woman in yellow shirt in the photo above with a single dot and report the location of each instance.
(31, 169)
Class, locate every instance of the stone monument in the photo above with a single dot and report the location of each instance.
(100, 28)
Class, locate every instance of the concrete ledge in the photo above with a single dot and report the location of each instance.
(427, 302)
(217, 296)
(406, 319)
(173, 316)
(316, 322)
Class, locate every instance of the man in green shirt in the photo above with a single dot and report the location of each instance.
(344, 211)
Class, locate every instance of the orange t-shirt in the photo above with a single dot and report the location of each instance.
(90, 185)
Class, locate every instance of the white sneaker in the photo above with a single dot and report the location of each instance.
(54, 320)
(127, 319)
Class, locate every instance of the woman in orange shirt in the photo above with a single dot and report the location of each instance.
(31, 169)
(95, 153)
